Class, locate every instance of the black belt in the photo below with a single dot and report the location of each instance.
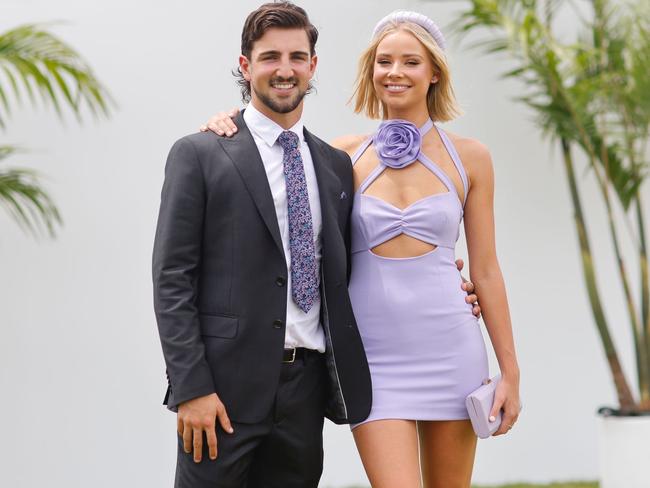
(293, 353)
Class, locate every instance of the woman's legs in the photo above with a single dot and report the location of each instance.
(389, 452)
(447, 451)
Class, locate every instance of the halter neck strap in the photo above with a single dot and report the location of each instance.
(428, 125)
(361, 150)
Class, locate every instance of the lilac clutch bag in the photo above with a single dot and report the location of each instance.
(479, 403)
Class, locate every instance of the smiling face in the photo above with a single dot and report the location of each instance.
(279, 70)
(403, 72)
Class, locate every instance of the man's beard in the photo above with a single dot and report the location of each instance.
(285, 106)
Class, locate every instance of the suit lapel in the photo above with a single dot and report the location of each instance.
(329, 184)
(243, 152)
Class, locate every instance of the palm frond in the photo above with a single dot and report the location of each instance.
(37, 63)
(593, 92)
(22, 195)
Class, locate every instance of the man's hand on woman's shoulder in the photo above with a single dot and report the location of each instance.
(222, 123)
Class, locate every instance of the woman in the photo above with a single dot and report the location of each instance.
(414, 184)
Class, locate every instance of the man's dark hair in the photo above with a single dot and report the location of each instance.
(283, 15)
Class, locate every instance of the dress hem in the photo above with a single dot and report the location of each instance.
(428, 417)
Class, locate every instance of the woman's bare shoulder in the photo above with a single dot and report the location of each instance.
(349, 143)
(473, 153)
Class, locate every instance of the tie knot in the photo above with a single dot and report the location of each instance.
(288, 140)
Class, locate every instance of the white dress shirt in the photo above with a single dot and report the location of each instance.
(302, 329)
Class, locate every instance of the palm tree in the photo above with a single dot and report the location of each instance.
(590, 93)
(36, 64)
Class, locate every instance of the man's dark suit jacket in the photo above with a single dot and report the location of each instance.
(220, 278)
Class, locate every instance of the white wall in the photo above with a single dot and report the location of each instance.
(81, 373)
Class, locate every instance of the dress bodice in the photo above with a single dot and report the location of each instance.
(434, 219)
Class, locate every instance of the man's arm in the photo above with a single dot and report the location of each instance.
(176, 261)
(176, 256)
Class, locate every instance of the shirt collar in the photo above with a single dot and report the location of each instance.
(266, 129)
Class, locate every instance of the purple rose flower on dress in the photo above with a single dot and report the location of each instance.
(397, 143)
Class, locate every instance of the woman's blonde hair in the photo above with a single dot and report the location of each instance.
(441, 100)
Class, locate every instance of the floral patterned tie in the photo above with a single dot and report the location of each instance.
(304, 275)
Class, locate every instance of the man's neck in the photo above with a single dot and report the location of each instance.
(286, 121)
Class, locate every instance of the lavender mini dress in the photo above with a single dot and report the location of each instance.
(424, 346)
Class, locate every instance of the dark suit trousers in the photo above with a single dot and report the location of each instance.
(285, 450)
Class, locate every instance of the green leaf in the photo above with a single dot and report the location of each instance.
(35, 61)
(24, 198)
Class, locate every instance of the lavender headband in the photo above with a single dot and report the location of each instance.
(401, 16)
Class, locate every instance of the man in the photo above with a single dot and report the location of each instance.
(250, 273)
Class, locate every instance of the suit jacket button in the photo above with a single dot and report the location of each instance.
(277, 324)
(280, 281)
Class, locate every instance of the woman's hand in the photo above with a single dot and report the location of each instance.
(222, 124)
(506, 398)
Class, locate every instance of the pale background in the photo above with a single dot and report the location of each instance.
(81, 371)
